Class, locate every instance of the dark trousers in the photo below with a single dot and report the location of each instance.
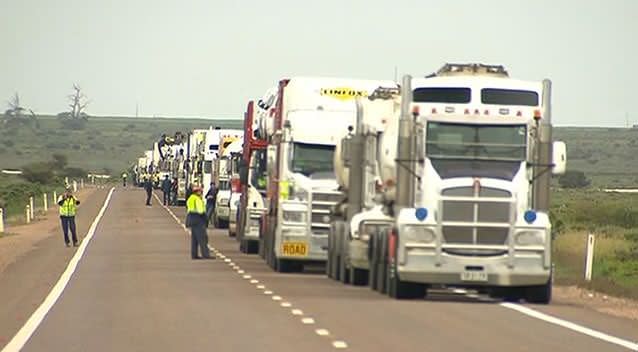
(148, 197)
(199, 238)
(210, 210)
(167, 197)
(68, 222)
(124, 182)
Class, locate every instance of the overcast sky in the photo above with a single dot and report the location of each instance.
(208, 57)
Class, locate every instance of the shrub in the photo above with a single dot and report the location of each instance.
(573, 179)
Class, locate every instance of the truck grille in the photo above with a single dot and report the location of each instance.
(322, 203)
(476, 216)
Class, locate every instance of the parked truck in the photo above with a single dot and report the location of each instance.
(223, 172)
(461, 176)
(252, 181)
(307, 117)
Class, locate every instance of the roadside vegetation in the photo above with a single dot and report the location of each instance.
(613, 219)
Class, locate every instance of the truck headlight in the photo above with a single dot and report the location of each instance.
(298, 194)
(295, 216)
(530, 238)
(416, 233)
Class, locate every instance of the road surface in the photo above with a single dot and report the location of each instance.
(135, 288)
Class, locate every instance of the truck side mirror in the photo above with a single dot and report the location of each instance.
(559, 158)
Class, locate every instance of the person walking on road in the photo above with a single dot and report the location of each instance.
(166, 189)
(210, 202)
(148, 186)
(196, 220)
(124, 177)
(174, 186)
(68, 207)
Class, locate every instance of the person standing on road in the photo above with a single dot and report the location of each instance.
(174, 186)
(124, 177)
(196, 220)
(210, 202)
(68, 207)
(166, 189)
(148, 186)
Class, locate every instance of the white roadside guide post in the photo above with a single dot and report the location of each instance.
(32, 208)
(55, 197)
(46, 202)
(28, 213)
(1, 220)
(75, 186)
(81, 183)
(589, 259)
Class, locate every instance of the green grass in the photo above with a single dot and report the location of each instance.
(613, 219)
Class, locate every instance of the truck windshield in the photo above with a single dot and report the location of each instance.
(476, 150)
(308, 159)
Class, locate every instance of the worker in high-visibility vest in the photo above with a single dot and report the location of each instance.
(68, 208)
(196, 220)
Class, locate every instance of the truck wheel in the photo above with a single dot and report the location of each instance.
(372, 260)
(399, 289)
(252, 247)
(358, 277)
(344, 272)
(541, 294)
(283, 266)
(330, 261)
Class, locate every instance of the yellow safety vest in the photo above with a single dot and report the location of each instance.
(68, 207)
(195, 204)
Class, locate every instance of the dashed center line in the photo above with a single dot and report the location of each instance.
(296, 312)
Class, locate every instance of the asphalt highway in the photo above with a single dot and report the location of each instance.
(135, 288)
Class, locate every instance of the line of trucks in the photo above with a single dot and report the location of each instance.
(439, 181)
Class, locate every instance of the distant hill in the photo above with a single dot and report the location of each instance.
(609, 156)
(107, 144)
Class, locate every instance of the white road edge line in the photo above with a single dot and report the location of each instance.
(571, 326)
(22, 336)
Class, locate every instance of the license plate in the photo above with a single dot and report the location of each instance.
(473, 276)
(294, 249)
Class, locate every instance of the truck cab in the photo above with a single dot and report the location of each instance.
(473, 211)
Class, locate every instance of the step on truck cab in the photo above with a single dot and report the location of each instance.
(469, 192)
(307, 117)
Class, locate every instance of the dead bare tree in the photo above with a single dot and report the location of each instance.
(18, 114)
(78, 103)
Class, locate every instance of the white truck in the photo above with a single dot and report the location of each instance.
(464, 187)
(307, 117)
(223, 169)
(252, 177)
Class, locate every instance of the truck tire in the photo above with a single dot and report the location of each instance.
(344, 272)
(372, 259)
(397, 288)
(252, 247)
(358, 277)
(541, 294)
(330, 260)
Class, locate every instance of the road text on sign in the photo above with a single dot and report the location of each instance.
(294, 249)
